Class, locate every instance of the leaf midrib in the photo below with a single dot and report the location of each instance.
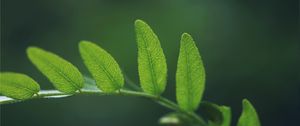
(150, 63)
(91, 55)
(56, 69)
(16, 85)
(189, 84)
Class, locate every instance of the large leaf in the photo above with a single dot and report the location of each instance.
(249, 116)
(190, 75)
(17, 86)
(64, 76)
(215, 114)
(151, 60)
(103, 67)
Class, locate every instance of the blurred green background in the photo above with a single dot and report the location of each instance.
(250, 49)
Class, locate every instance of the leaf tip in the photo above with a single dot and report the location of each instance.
(246, 102)
(31, 49)
(185, 35)
(84, 42)
(139, 23)
(249, 116)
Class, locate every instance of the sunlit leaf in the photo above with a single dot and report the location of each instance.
(64, 76)
(103, 67)
(151, 60)
(17, 86)
(190, 75)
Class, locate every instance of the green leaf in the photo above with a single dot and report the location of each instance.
(151, 60)
(190, 75)
(64, 76)
(215, 114)
(249, 116)
(103, 67)
(18, 86)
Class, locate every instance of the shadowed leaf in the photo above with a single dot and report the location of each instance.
(215, 114)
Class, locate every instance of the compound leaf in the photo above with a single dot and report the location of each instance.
(103, 67)
(151, 60)
(64, 76)
(190, 75)
(17, 85)
(249, 116)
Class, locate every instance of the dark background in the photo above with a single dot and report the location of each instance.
(250, 49)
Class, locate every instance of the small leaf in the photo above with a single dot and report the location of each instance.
(103, 67)
(249, 116)
(190, 75)
(215, 114)
(64, 76)
(18, 86)
(151, 60)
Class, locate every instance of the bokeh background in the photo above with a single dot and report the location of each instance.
(250, 49)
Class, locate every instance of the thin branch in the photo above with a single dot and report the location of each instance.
(41, 94)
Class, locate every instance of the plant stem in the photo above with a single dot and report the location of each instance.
(159, 99)
(166, 103)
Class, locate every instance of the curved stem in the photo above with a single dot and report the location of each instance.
(161, 100)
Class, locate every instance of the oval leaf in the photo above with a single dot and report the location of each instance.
(18, 86)
(190, 75)
(64, 76)
(103, 67)
(249, 116)
(151, 60)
